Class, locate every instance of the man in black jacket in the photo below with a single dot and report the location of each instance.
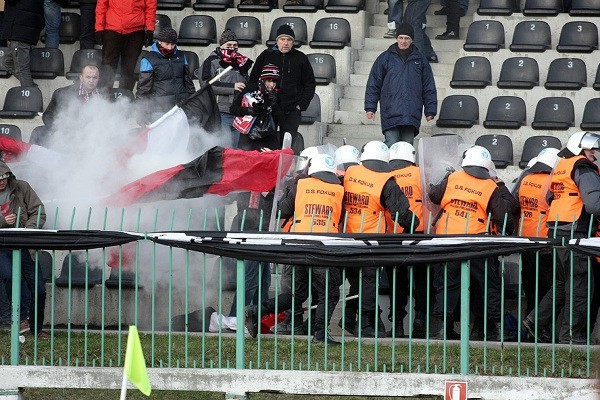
(297, 82)
(23, 22)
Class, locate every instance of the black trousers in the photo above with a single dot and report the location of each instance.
(291, 122)
(402, 290)
(117, 47)
(87, 39)
(369, 293)
(453, 18)
(544, 276)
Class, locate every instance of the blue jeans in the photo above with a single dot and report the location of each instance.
(52, 17)
(395, 11)
(401, 133)
(415, 16)
(252, 279)
(229, 130)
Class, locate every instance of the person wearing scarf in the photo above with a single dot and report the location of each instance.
(227, 54)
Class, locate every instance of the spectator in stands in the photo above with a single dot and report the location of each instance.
(297, 83)
(52, 18)
(165, 78)
(23, 22)
(234, 81)
(453, 14)
(87, 10)
(401, 81)
(370, 192)
(316, 204)
(574, 201)
(464, 5)
(394, 17)
(120, 28)
(415, 15)
(466, 198)
(17, 197)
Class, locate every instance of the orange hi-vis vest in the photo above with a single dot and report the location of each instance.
(409, 180)
(465, 204)
(362, 200)
(318, 206)
(534, 207)
(567, 204)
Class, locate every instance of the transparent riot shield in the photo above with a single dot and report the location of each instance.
(289, 168)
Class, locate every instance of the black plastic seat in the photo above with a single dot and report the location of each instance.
(172, 4)
(596, 84)
(500, 147)
(496, 7)
(554, 113)
(74, 270)
(534, 144)
(298, 25)
(506, 112)
(22, 102)
(40, 135)
(313, 112)
(12, 131)
(531, 36)
(247, 29)
(323, 66)
(591, 116)
(307, 6)
(81, 58)
(471, 72)
(459, 111)
(69, 3)
(44, 260)
(331, 33)
(193, 63)
(519, 73)
(253, 7)
(212, 5)
(136, 70)
(566, 74)
(547, 8)
(588, 8)
(578, 37)
(197, 30)
(485, 35)
(3, 71)
(345, 6)
(118, 94)
(70, 27)
(162, 21)
(46, 63)
(127, 279)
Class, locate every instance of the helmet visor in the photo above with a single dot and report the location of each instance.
(590, 141)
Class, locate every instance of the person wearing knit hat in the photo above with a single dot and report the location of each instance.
(285, 31)
(228, 36)
(167, 35)
(405, 30)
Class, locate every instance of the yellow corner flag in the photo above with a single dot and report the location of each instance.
(135, 365)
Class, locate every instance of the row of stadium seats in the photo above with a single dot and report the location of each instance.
(542, 8)
(510, 112)
(522, 73)
(501, 148)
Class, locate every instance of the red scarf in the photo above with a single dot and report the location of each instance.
(166, 52)
(232, 57)
(84, 95)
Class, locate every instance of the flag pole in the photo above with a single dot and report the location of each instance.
(124, 386)
(203, 88)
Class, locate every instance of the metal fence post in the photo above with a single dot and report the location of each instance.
(240, 293)
(16, 307)
(464, 317)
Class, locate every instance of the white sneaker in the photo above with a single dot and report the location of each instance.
(390, 34)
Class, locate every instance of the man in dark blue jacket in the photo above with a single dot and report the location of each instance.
(402, 82)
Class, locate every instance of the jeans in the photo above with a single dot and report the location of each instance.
(18, 61)
(400, 133)
(229, 130)
(415, 16)
(395, 11)
(253, 273)
(87, 39)
(52, 17)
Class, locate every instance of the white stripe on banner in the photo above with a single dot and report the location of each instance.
(591, 242)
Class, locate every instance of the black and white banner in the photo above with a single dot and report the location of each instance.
(42, 239)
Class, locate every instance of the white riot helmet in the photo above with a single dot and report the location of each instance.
(476, 156)
(375, 150)
(548, 156)
(347, 154)
(322, 163)
(402, 151)
(491, 167)
(305, 156)
(583, 141)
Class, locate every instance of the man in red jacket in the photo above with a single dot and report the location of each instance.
(122, 27)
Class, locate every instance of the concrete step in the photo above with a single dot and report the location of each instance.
(380, 20)
(439, 69)
(354, 97)
(440, 46)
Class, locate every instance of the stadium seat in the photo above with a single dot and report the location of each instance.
(81, 58)
(45, 262)
(253, 7)
(519, 73)
(3, 71)
(534, 144)
(40, 135)
(117, 94)
(172, 4)
(74, 270)
(69, 3)
(588, 8)
(578, 37)
(162, 21)
(70, 27)
(313, 112)
(12, 131)
(22, 102)
(500, 147)
(460, 111)
(531, 36)
(193, 63)
(46, 63)
(485, 35)
(127, 279)
(197, 30)
(212, 5)
(136, 70)
(307, 6)
(542, 7)
(323, 66)
(332, 33)
(471, 72)
(247, 29)
(506, 112)
(496, 7)
(345, 6)
(596, 84)
(297, 24)
(554, 113)
(591, 116)
(566, 74)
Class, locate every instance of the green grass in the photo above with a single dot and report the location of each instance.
(162, 350)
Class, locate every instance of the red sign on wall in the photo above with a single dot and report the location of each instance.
(455, 390)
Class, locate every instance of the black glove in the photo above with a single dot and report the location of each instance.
(149, 38)
(272, 96)
(258, 108)
(99, 36)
